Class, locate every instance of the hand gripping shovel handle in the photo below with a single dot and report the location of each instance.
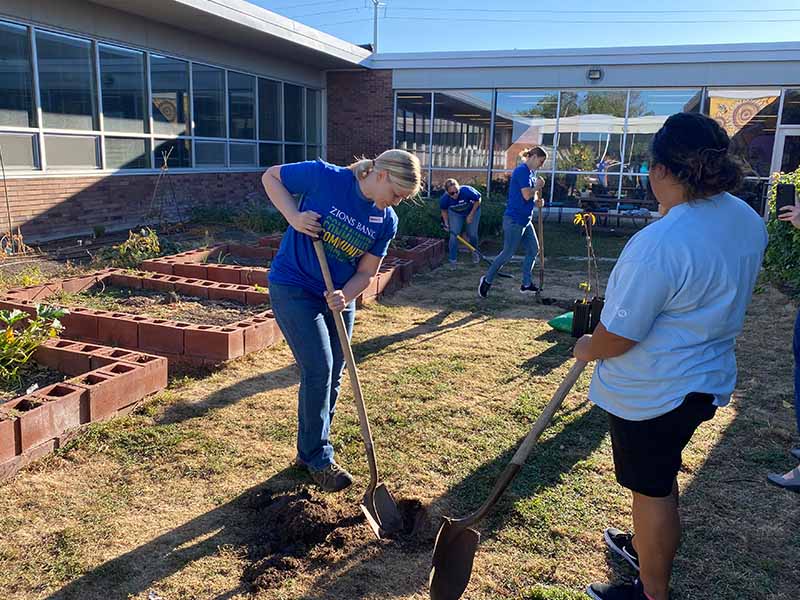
(347, 351)
(527, 445)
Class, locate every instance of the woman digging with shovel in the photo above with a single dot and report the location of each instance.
(350, 209)
(675, 302)
(524, 192)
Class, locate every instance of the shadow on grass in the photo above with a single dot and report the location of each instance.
(230, 525)
(290, 375)
(544, 469)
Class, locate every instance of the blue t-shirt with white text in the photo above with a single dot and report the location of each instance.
(518, 208)
(351, 226)
(463, 203)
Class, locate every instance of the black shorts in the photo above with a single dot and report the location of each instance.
(647, 454)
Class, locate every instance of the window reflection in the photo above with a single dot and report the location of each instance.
(413, 124)
(208, 85)
(123, 89)
(524, 119)
(16, 101)
(66, 82)
(461, 129)
(170, 88)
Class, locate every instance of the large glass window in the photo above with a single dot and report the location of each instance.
(242, 106)
(294, 153)
(244, 155)
(293, 109)
(123, 89)
(19, 151)
(208, 86)
(72, 152)
(127, 153)
(313, 117)
(791, 108)
(169, 80)
(269, 110)
(177, 153)
(461, 129)
(209, 154)
(66, 82)
(270, 154)
(750, 116)
(413, 126)
(524, 118)
(590, 131)
(16, 79)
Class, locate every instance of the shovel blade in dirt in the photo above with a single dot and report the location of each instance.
(453, 555)
(381, 511)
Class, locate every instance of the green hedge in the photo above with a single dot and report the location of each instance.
(782, 259)
(423, 218)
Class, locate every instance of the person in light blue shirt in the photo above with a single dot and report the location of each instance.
(675, 302)
(350, 209)
(524, 193)
(461, 208)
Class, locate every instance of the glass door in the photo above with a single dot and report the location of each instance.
(787, 150)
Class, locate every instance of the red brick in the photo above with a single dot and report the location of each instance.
(227, 291)
(223, 274)
(75, 285)
(157, 266)
(125, 279)
(158, 282)
(214, 343)
(159, 335)
(191, 270)
(255, 276)
(80, 324)
(118, 329)
(10, 444)
(254, 298)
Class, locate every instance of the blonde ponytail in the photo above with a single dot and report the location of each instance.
(403, 169)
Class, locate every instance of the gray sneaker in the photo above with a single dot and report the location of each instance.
(476, 258)
(332, 478)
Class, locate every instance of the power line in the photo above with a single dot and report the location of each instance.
(593, 22)
(601, 12)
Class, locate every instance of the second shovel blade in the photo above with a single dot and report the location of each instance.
(453, 555)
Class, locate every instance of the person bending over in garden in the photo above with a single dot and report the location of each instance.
(791, 480)
(675, 303)
(461, 208)
(524, 192)
(350, 209)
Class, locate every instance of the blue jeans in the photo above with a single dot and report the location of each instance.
(796, 345)
(513, 234)
(457, 221)
(307, 324)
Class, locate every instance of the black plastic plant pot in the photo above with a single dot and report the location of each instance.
(597, 308)
(581, 314)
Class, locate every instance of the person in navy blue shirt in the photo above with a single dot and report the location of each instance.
(461, 207)
(524, 192)
(350, 209)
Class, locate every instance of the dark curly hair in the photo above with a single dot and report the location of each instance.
(695, 150)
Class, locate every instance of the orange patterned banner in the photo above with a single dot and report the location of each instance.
(734, 113)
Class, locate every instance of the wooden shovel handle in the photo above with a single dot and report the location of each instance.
(350, 360)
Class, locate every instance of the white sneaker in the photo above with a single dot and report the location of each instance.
(476, 258)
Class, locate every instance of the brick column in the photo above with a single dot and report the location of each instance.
(360, 114)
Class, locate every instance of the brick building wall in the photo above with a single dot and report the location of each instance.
(360, 114)
(49, 208)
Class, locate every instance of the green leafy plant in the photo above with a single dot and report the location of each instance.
(782, 258)
(22, 335)
(139, 246)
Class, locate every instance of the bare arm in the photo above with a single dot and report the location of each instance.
(306, 222)
(365, 274)
(602, 344)
(446, 220)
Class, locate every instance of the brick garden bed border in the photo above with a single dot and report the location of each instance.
(193, 264)
(425, 253)
(178, 341)
(395, 272)
(105, 382)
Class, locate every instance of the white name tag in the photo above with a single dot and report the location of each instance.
(376, 219)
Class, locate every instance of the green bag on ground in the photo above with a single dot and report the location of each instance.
(562, 322)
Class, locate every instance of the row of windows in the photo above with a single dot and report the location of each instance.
(130, 98)
(598, 134)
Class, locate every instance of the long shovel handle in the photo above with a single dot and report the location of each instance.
(350, 360)
(482, 257)
(541, 250)
(524, 450)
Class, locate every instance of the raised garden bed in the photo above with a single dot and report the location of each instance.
(180, 341)
(225, 263)
(33, 375)
(104, 382)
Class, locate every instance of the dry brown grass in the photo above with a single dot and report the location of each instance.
(162, 501)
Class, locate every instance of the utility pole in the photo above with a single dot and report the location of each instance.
(376, 4)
